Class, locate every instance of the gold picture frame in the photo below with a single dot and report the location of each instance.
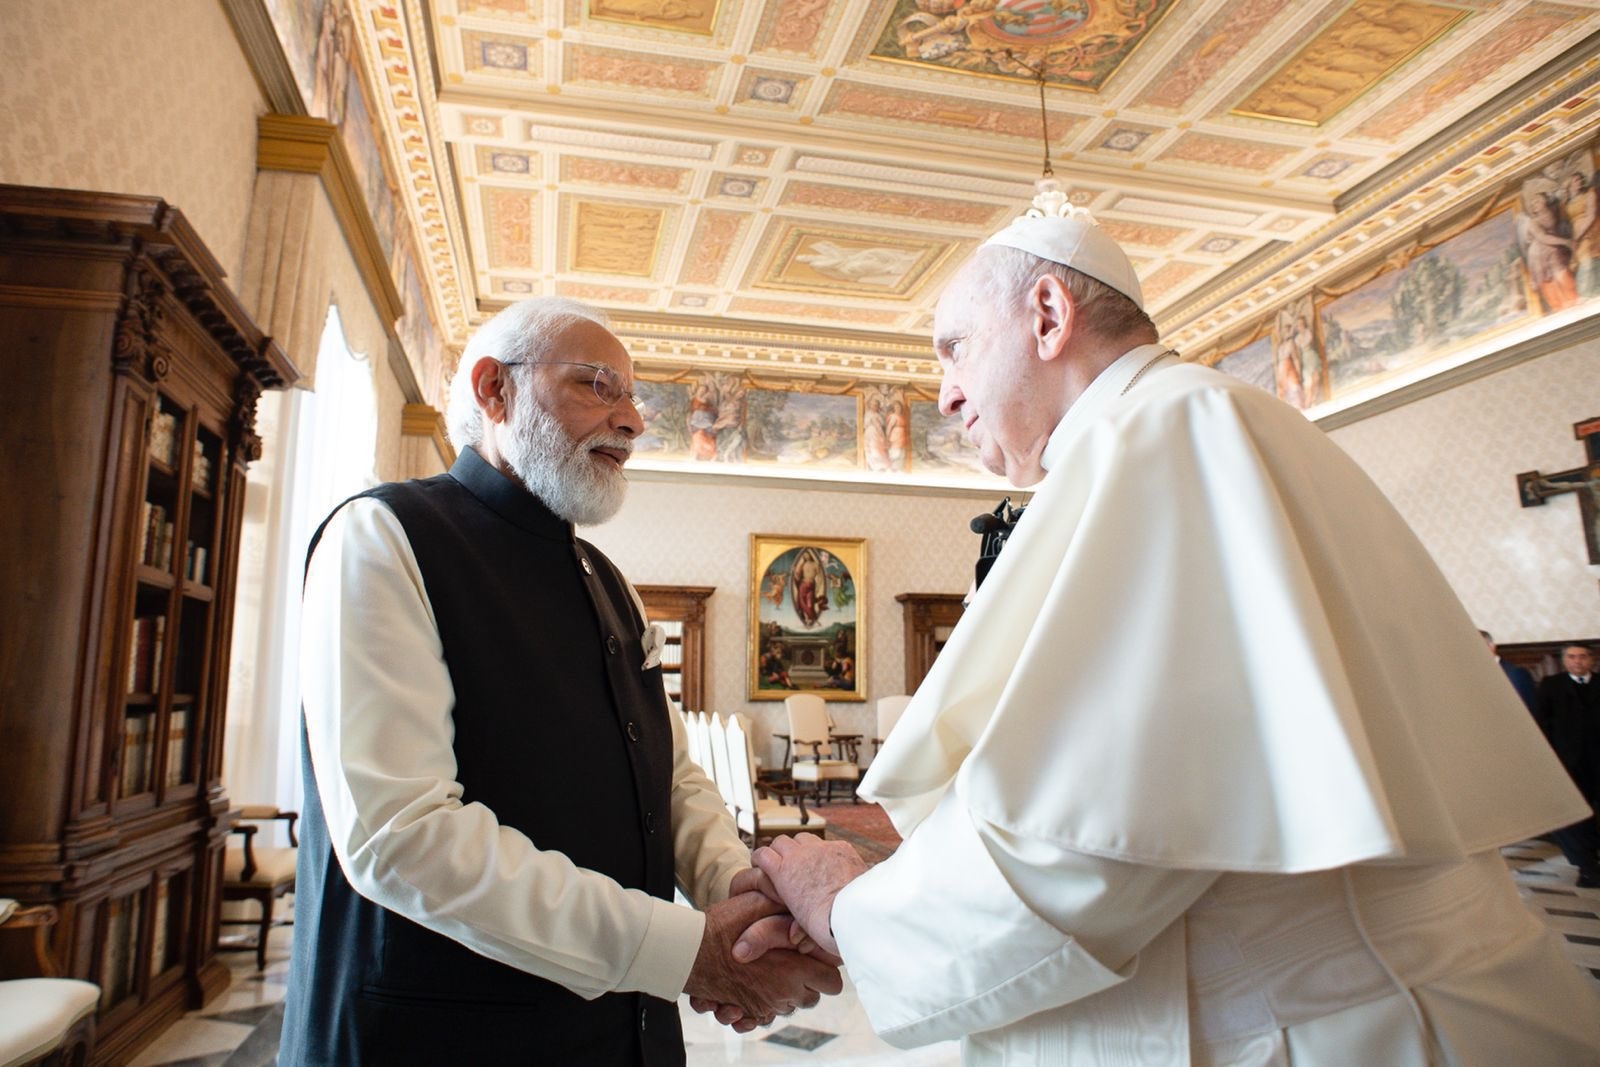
(805, 605)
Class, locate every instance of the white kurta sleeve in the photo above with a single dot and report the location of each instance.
(378, 700)
(706, 848)
(967, 929)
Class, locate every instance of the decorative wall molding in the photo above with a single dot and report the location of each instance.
(304, 145)
(423, 420)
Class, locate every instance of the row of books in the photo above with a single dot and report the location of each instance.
(138, 748)
(155, 545)
(144, 653)
(164, 447)
(155, 537)
(164, 438)
(194, 562)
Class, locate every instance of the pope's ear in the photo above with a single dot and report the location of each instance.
(1052, 311)
(489, 380)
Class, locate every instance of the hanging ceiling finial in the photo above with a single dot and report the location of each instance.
(1051, 198)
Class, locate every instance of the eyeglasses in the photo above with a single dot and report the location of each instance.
(608, 387)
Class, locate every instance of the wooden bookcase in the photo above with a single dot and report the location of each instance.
(929, 618)
(680, 610)
(129, 376)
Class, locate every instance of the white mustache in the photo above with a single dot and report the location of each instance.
(605, 439)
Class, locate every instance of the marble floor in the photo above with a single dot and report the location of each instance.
(240, 1028)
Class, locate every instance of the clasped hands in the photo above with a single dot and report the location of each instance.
(768, 949)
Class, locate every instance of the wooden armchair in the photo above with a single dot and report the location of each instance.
(44, 1019)
(262, 874)
(811, 734)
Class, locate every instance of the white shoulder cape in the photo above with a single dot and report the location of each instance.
(1213, 643)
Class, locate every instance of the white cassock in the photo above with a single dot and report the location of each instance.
(1213, 770)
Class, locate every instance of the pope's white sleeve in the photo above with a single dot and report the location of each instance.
(967, 928)
(378, 701)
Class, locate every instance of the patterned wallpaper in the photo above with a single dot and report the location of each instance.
(91, 85)
(1449, 463)
(693, 533)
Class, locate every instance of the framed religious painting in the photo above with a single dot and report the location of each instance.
(805, 606)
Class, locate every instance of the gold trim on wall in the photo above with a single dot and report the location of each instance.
(423, 420)
(303, 145)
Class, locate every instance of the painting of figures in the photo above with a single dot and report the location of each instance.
(939, 443)
(1457, 290)
(802, 429)
(716, 418)
(1299, 373)
(1078, 44)
(805, 596)
(1252, 363)
(885, 429)
(1558, 232)
(664, 409)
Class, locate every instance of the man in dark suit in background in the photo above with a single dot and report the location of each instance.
(1521, 678)
(1568, 711)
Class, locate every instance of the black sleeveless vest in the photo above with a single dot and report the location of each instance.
(557, 731)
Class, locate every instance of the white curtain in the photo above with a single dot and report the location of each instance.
(321, 447)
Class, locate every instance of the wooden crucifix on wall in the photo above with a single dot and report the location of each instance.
(1584, 482)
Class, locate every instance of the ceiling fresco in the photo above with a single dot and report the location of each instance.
(793, 181)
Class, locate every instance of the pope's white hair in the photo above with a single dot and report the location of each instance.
(1012, 273)
(525, 331)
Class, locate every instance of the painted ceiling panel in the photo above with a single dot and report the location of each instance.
(820, 166)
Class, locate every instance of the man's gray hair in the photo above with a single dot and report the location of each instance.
(1101, 309)
(524, 331)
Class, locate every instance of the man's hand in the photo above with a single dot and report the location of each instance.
(747, 995)
(807, 873)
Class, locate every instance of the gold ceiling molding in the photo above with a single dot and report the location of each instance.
(300, 144)
(792, 365)
(409, 114)
(1390, 219)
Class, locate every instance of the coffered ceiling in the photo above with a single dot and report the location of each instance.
(794, 180)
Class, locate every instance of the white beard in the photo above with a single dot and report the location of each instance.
(561, 472)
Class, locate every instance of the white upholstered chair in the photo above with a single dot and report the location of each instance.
(43, 1016)
(691, 736)
(721, 769)
(811, 741)
(761, 818)
(889, 711)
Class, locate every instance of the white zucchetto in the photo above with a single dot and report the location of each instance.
(1062, 233)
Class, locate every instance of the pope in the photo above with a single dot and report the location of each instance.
(1214, 769)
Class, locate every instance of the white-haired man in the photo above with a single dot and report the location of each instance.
(1213, 770)
(498, 800)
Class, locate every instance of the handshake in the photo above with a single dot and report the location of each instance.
(768, 949)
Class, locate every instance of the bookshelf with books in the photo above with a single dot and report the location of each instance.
(680, 611)
(128, 391)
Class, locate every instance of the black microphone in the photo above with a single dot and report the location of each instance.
(987, 524)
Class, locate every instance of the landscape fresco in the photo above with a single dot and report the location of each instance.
(1252, 363)
(1460, 289)
(803, 429)
(664, 407)
(938, 443)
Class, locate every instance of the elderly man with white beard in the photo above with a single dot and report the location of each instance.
(498, 799)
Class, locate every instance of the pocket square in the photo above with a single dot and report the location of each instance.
(654, 641)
